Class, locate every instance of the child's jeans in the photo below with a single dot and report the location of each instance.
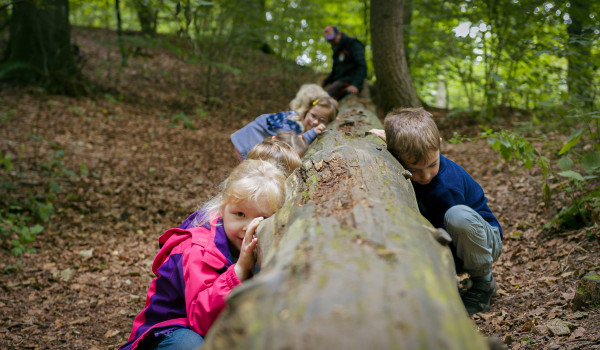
(179, 339)
(477, 243)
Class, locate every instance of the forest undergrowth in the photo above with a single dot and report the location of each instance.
(108, 173)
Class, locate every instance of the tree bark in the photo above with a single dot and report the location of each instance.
(147, 15)
(348, 262)
(581, 67)
(394, 84)
(39, 47)
(406, 29)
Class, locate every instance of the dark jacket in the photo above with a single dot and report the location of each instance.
(452, 186)
(349, 63)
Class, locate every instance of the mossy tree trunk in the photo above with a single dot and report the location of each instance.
(348, 262)
(39, 48)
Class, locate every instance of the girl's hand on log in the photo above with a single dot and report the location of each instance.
(320, 128)
(379, 133)
(247, 260)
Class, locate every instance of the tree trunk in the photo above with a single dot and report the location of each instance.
(348, 262)
(406, 22)
(39, 47)
(122, 47)
(394, 84)
(581, 66)
(250, 24)
(147, 15)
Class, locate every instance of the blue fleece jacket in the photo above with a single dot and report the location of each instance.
(452, 186)
(268, 125)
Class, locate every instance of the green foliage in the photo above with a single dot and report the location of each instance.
(573, 167)
(500, 53)
(183, 119)
(25, 213)
(579, 213)
(510, 145)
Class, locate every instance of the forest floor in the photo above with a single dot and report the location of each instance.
(141, 171)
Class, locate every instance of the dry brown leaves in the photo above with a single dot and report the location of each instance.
(90, 274)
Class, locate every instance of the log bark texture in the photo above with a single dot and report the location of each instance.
(348, 262)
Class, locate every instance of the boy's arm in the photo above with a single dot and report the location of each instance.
(379, 133)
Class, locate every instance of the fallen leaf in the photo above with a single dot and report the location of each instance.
(540, 329)
(567, 295)
(578, 333)
(558, 327)
(111, 333)
(548, 280)
(66, 274)
(79, 321)
(577, 315)
(86, 253)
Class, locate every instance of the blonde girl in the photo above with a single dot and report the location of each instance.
(197, 267)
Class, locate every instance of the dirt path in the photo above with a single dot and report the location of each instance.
(88, 278)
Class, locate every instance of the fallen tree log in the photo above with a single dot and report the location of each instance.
(348, 262)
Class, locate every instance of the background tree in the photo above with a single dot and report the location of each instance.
(39, 48)
(394, 84)
(147, 14)
(581, 64)
(249, 23)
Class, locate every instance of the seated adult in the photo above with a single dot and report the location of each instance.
(349, 65)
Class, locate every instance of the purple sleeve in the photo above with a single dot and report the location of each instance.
(189, 222)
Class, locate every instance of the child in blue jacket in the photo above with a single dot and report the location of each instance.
(449, 198)
(308, 122)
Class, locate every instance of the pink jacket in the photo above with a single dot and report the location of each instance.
(194, 274)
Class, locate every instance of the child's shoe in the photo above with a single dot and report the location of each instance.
(478, 297)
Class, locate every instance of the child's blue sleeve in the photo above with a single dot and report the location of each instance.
(310, 135)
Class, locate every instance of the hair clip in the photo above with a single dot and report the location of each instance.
(315, 102)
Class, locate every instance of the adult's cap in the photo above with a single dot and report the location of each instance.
(330, 32)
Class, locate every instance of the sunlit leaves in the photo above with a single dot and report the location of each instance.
(510, 145)
(565, 163)
(591, 162)
(573, 175)
(573, 140)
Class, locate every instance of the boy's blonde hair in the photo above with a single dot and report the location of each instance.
(327, 102)
(253, 181)
(411, 134)
(306, 94)
(296, 141)
(278, 152)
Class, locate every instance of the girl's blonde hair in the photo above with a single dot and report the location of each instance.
(306, 94)
(277, 151)
(327, 102)
(254, 181)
